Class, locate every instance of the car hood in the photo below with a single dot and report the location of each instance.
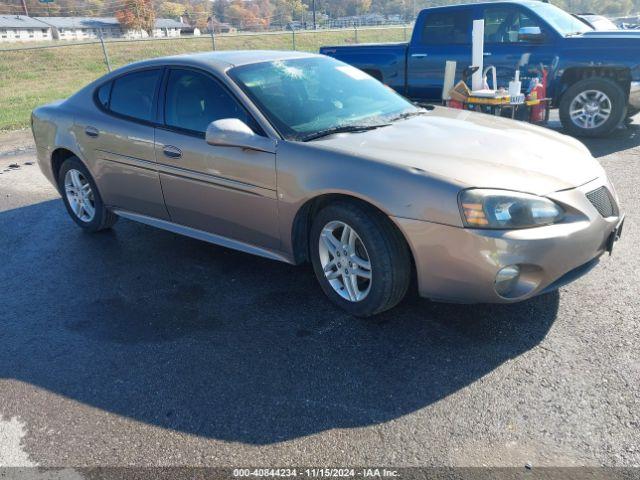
(476, 150)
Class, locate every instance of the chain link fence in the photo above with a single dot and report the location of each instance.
(33, 75)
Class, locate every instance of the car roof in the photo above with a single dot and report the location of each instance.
(217, 62)
(220, 61)
(496, 2)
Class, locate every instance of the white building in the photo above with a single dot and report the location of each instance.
(18, 28)
(84, 28)
(167, 27)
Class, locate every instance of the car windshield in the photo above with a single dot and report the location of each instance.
(563, 22)
(598, 22)
(304, 97)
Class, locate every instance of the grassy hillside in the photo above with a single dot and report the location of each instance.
(29, 78)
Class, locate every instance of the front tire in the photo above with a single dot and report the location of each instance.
(360, 259)
(593, 107)
(82, 198)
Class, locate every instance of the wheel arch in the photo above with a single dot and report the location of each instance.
(58, 156)
(303, 220)
(375, 73)
(572, 75)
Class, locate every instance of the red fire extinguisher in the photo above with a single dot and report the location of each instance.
(539, 92)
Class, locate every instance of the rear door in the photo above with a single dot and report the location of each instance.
(508, 50)
(227, 191)
(117, 139)
(445, 35)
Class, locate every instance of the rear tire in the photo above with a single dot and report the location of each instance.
(82, 198)
(377, 250)
(593, 107)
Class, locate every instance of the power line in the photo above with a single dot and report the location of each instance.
(41, 12)
(114, 5)
(109, 8)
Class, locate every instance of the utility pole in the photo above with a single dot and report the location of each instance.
(212, 32)
(138, 17)
(104, 50)
(24, 8)
(313, 7)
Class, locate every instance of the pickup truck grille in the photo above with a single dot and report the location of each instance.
(604, 203)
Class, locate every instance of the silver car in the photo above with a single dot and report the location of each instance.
(299, 157)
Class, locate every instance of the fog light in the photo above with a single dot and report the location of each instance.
(507, 280)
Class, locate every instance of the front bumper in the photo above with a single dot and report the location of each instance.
(460, 264)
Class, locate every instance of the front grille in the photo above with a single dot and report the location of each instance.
(602, 200)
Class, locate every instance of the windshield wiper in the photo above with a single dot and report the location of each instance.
(342, 129)
(406, 115)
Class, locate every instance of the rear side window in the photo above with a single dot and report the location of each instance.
(133, 94)
(447, 28)
(103, 95)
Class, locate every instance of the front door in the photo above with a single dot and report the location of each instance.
(508, 50)
(446, 35)
(227, 191)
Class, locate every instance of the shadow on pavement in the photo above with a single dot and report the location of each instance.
(620, 140)
(187, 336)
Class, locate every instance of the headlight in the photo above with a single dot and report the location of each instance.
(503, 209)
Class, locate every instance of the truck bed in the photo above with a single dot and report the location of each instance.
(384, 61)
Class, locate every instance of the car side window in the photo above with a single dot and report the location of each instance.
(104, 92)
(447, 28)
(133, 94)
(194, 100)
(503, 24)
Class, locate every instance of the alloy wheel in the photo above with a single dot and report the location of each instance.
(79, 195)
(345, 261)
(590, 109)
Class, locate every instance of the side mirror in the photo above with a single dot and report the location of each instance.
(530, 34)
(233, 132)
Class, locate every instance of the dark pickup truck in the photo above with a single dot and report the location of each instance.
(593, 77)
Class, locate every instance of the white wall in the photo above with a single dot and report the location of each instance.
(166, 32)
(37, 34)
(86, 33)
(24, 34)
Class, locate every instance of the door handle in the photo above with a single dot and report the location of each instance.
(91, 131)
(487, 54)
(171, 151)
(418, 55)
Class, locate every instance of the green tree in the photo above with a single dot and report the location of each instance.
(137, 15)
(171, 9)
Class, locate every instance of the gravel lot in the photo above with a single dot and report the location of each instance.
(141, 347)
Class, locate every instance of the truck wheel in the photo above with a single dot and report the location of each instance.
(593, 107)
(360, 259)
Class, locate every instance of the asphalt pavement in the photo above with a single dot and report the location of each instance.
(141, 347)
